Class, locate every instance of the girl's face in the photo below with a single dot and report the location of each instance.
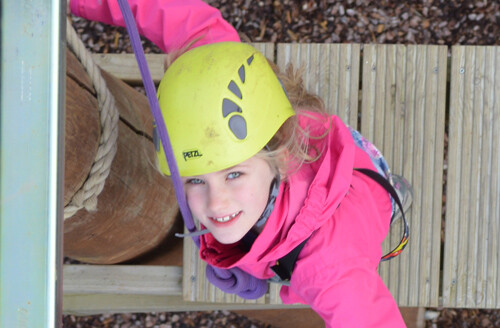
(229, 202)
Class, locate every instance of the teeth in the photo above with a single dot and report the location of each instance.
(225, 218)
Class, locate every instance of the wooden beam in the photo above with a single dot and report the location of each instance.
(403, 110)
(89, 304)
(124, 66)
(471, 244)
(122, 279)
(93, 289)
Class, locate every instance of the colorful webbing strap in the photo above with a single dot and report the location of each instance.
(285, 265)
(390, 189)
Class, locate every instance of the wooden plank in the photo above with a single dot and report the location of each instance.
(90, 304)
(329, 70)
(124, 66)
(403, 113)
(266, 48)
(122, 279)
(93, 289)
(471, 251)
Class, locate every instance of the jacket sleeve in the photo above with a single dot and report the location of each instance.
(336, 272)
(170, 24)
(355, 296)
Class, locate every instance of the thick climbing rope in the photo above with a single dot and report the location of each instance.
(86, 196)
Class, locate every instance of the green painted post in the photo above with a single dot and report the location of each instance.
(31, 161)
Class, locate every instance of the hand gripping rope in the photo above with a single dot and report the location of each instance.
(233, 280)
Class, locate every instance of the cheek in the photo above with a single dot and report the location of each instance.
(260, 195)
(194, 199)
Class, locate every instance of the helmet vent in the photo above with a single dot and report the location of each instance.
(237, 123)
(241, 73)
(233, 87)
(250, 60)
(238, 126)
(228, 107)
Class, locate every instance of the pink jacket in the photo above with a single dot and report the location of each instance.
(347, 216)
(170, 24)
(346, 213)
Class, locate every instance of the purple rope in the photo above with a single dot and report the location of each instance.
(233, 280)
(155, 108)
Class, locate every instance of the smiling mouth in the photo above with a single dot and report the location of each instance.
(225, 218)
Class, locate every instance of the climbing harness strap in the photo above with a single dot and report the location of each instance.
(285, 265)
(381, 180)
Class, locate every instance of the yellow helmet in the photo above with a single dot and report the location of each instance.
(221, 103)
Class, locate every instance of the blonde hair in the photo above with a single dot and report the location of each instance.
(290, 147)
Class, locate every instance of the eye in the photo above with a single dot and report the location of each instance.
(233, 175)
(194, 181)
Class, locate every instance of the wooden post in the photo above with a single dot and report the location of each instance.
(137, 207)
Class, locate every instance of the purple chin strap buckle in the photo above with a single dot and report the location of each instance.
(233, 280)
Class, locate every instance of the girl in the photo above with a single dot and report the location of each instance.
(265, 171)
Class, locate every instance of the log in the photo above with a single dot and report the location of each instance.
(137, 207)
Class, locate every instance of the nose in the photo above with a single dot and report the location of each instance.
(218, 199)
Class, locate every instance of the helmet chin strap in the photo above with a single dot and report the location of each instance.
(192, 234)
(273, 194)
